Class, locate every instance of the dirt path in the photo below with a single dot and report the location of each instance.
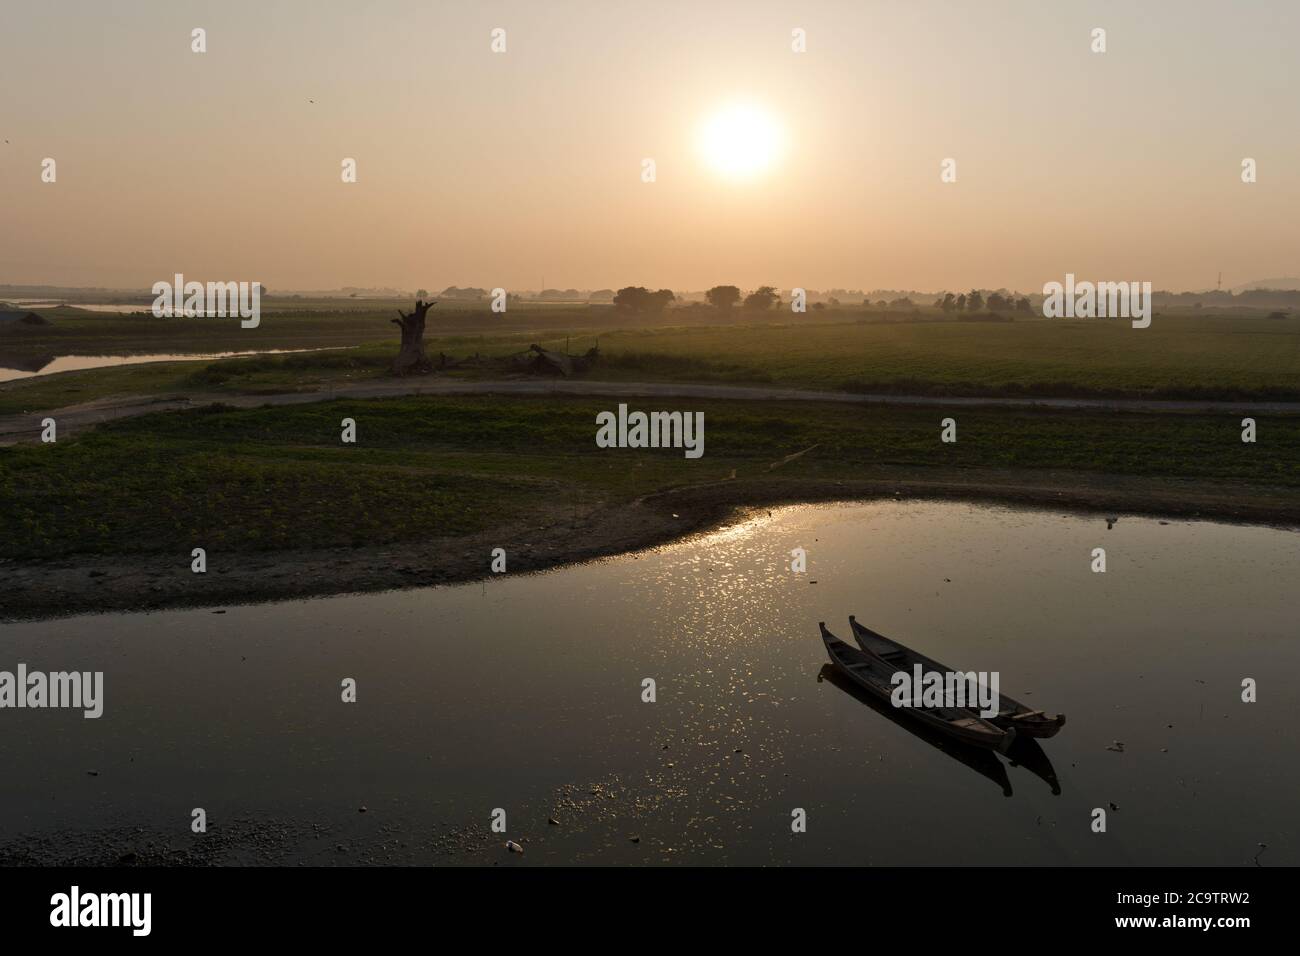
(71, 418)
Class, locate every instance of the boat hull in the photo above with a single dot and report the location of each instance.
(873, 675)
(1012, 714)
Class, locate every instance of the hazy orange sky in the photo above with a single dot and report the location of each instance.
(487, 169)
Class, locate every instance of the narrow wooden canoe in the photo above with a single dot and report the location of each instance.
(874, 675)
(1011, 713)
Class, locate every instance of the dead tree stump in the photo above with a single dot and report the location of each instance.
(411, 359)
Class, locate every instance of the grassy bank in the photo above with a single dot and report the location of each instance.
(1204, 357)
(278, 478)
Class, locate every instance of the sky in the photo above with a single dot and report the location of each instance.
(525, 167)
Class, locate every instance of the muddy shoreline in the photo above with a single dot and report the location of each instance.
(89, 584)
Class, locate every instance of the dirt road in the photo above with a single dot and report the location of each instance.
(17, 428)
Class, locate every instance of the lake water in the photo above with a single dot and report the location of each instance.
(525, 694)
(112, 307)
(74, 363)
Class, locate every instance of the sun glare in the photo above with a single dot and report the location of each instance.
(740, 142)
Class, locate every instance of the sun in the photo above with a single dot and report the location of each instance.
(741, 141)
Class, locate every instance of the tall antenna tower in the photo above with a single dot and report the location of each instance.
(1219, 287)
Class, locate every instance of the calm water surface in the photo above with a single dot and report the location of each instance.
(524, 694)
(76, 363)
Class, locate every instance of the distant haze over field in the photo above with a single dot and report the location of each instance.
(1263, 294)
(524, 169)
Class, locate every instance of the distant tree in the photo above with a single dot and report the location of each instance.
(631, 298)
(602, 295)
(902, 303)
(422, 294)
(881, 304)
(997, 302)
(866, 303)
(1024, 305)
(637, 298)
(961, 302)
(723, 296)
(819, 306)
(833, 302)
(974, 301)
(761, 299)
(658, 301)
(949, 302)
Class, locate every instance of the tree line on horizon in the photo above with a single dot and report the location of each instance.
(974, 301)
(641, 300)
(644, 301)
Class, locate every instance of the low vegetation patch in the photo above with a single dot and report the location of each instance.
(278, 477)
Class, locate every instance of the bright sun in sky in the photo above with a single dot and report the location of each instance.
(740, 141)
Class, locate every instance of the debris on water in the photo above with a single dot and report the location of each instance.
(1110, 523)
(126, 859)
(361, 809)
(812, 582)
(1117, 746)
(1114, 806)
(514, 847)
(635, 839)
(222, 611)
(552, 821)
(93, 773)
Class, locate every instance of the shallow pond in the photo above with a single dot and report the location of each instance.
(525, 694)
(75, 363)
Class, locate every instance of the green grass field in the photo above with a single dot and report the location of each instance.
(1239, 357)
(1175, 357)
(270, 478)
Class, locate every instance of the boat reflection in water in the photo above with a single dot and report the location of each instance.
(1028, 753)
(1024, 751)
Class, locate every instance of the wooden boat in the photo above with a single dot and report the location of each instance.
(874, 675)
(1011, 713)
